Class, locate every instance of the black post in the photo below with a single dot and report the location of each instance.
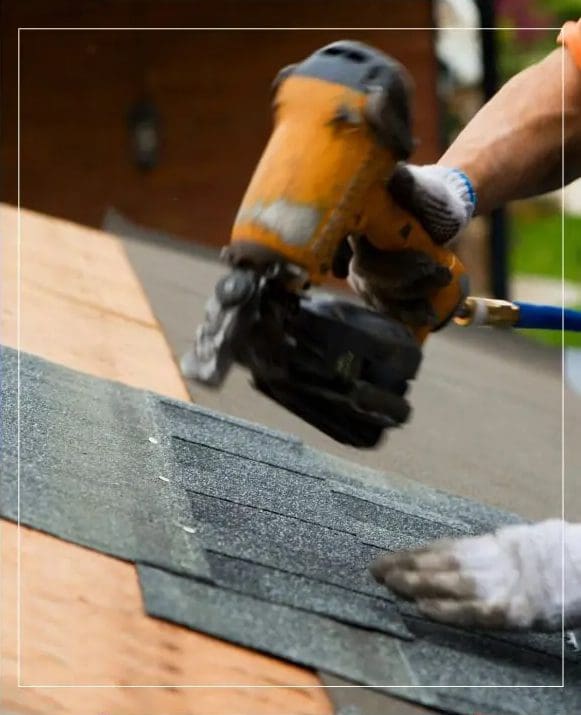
(499, 218)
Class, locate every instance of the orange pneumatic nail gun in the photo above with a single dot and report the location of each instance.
(342, 123)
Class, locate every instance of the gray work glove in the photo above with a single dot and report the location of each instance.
(398, 283)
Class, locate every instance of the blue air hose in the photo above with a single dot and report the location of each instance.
(547, 317)
(503, 313)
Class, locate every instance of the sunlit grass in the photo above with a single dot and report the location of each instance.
(536, 249)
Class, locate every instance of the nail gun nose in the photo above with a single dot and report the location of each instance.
(235, 288)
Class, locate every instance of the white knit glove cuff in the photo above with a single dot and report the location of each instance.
(446, 200)
(535, 553)
(522, 567)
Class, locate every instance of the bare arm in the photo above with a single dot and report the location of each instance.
(512, 147)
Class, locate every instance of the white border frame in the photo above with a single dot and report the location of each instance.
(18, 344)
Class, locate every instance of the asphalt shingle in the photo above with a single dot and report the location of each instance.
(296, 635)
(525, 683)
(291, 589)
(90, 466)
(244, 533)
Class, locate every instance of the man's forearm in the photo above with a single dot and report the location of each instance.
(511, 149)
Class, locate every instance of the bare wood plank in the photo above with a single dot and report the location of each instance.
(81, 305)
(82, 615)
(83, 623)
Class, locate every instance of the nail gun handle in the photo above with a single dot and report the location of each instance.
(390, 228)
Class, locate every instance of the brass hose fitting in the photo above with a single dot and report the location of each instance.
(487, 311)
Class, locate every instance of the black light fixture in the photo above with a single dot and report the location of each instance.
(144, 131)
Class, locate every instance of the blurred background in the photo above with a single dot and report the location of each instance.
(153, 134)
(516, 253)
(163, 128)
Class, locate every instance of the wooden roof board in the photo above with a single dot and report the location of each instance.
(82, 614)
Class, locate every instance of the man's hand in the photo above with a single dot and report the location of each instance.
(511, 579)
(511, 149)
(399, 283)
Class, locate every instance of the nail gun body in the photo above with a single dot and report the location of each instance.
(341, 124)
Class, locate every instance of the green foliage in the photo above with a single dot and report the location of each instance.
(562, 9)
(553, 337)
(536, 245)
(520, 49)
(513, 56)
(537, 249)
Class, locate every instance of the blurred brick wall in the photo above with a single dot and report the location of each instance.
(211, 90)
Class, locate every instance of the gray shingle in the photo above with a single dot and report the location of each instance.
(277, 586)
(286, 543)
(390, 665)
(296, 635)
(206, 427)
(369, 701)
(247, 534)
(288, 492)
(89, 472)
